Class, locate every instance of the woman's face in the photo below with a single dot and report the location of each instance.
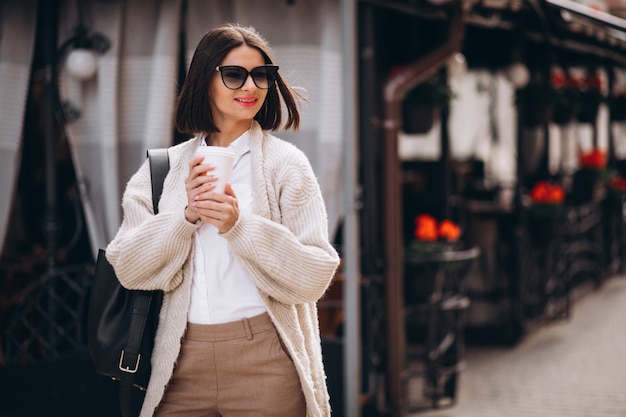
(240, 105)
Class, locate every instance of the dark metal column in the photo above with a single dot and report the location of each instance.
(48, 15)
(394, 88)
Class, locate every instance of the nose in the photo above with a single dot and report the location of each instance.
(249, 83)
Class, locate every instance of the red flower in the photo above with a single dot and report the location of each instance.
(556, 194)
(427, 229)
(594, 82)
(546, 193)
(575, 83)
(596, 159)
(540, 191)
(449, 230)
(618, 184)
(558, 79)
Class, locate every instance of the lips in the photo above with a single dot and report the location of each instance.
(247, 100)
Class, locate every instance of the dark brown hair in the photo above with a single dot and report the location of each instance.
(193, 112)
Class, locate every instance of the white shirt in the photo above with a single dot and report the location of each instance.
(221, 290)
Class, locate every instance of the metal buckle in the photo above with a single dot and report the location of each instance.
(127, 369)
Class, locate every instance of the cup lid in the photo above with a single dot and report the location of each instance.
(216, 150)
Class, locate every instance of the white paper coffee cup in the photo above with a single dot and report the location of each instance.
(222, 159)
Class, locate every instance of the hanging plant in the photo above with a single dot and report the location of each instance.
(616, 186)
(545, 212)
(591, 96)
(422, 105)
(536, 102)
(546, 202)
(567, 102)
(589, 178)
(617, 98)
(419, 120)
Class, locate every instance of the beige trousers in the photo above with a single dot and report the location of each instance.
(237, 369)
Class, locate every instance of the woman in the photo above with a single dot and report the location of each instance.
(241, 270)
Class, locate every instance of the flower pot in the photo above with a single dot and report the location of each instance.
(434, 268)
(563, 114)
(533, 116)
(420, 282)
(419, 120)
(424, 262)
(542, 233)
(618, 109)
(588, 111)
(586, 184)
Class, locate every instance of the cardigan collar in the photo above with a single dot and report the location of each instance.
(261, 185)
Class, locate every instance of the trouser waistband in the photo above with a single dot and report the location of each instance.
(246, 327)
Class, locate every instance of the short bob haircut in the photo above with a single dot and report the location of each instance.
(193, 112)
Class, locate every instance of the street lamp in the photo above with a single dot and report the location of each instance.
(81, 62)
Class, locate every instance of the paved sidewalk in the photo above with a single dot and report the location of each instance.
(574, 368)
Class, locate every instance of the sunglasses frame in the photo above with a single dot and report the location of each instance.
(220, 68)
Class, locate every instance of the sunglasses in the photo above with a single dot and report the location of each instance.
(234, 76)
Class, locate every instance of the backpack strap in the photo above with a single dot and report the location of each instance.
(129, 361)
(159, 167)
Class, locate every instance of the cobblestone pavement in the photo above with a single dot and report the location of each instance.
(573, 368)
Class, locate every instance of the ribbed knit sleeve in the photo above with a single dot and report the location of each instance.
(148, 251)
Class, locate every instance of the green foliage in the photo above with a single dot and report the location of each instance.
(431, 92)
(537, 94)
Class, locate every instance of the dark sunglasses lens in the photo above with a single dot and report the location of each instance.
(234, 77)
(263, 77)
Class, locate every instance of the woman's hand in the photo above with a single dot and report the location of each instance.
(197, 182)
(220, 210)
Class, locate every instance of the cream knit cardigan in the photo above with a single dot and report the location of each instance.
(283, 244)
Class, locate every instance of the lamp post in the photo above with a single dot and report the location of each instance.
(81, 63)
(48, 322)
(49, 18)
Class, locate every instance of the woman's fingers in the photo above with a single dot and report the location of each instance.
(218, 209)
(198, 181)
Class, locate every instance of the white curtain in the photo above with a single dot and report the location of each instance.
(127, 107)
(306, 40)
(18, 21)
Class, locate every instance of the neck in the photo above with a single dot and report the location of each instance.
(228, 134)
